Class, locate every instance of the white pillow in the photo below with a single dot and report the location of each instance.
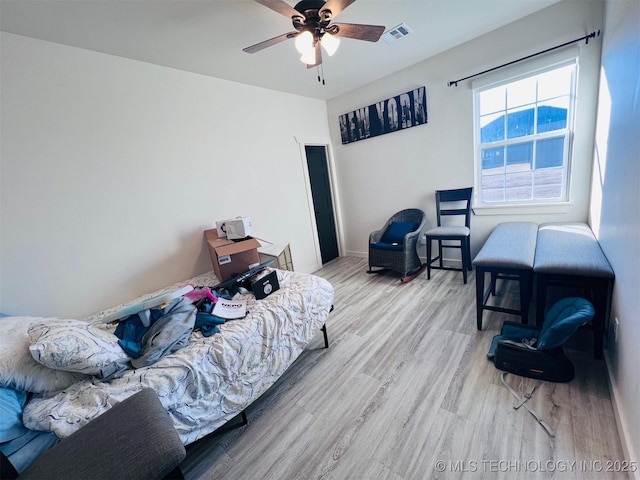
(18, 369)
(77, 346)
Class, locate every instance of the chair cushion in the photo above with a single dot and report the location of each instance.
(570, 248)
(562, 320)
(515, 332)
(397, 230)
(448, 231)
(510, 245)
(388, 246)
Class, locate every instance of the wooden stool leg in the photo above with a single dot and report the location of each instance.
(541, 298)
(428, 258)
(600, 288)
(526, 285)
(464, 265)
(479, 296)
(464, 244)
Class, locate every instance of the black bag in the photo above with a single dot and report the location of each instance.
(551, 365)
(537, 353)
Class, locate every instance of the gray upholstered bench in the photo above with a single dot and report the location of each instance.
(508, 254)
(569, 255)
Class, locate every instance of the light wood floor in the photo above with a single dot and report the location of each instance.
(405, 391)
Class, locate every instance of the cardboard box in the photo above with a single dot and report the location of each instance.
(231, 258)
(238, 228)
(234, 228)
(221, 228)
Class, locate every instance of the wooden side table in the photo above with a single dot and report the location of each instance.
(280, 253)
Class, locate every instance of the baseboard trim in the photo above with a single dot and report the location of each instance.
(309, 268)
(621, 422)
(455, 261)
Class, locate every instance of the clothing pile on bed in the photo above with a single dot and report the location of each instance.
(67, 372)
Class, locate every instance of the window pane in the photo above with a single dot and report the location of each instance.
(522, 92)
(550, 153)
(492, 159)
(519, 186)
(520, 157)
(555, 83)
(552, 114)
(492, 100)
(548, 183)
(522, 130)
(492, 128)
(493, 188)
(520, 122)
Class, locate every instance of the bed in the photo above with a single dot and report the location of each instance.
(202, 385)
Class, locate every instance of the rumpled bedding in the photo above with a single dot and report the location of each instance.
(212, 379)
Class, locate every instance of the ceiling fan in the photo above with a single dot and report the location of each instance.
(313, 28)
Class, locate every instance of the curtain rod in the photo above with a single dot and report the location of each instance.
(586, 38)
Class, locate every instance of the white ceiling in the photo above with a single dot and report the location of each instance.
(207, 36)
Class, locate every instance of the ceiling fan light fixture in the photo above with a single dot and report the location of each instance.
(304, 42)
(311, 20)
(330, 43)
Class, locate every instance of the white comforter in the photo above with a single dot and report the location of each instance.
(212, 379)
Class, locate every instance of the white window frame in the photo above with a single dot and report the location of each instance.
(499, 78)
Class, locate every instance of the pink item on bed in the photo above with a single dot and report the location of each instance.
(198, 293)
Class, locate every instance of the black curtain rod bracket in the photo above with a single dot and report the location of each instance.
(585, 38)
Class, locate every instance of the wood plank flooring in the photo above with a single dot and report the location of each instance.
(405, 391)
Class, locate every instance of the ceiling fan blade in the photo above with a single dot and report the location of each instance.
(336, 6)
(370, 33)
(318, 56)
(281, 7)
(268, 43)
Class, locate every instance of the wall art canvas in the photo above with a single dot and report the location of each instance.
(396, 113)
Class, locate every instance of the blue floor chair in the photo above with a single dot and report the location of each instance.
(537, 353)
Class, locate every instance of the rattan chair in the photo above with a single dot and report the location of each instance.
(394, 246)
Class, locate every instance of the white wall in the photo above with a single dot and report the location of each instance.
(615, 202)
(381, 175)
(111, 169)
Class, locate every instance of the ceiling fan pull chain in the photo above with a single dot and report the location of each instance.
(320, 72)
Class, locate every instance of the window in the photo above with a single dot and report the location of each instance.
(523, 134)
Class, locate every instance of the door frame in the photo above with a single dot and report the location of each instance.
(335, 201)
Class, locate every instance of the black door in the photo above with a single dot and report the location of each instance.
(322, 201)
